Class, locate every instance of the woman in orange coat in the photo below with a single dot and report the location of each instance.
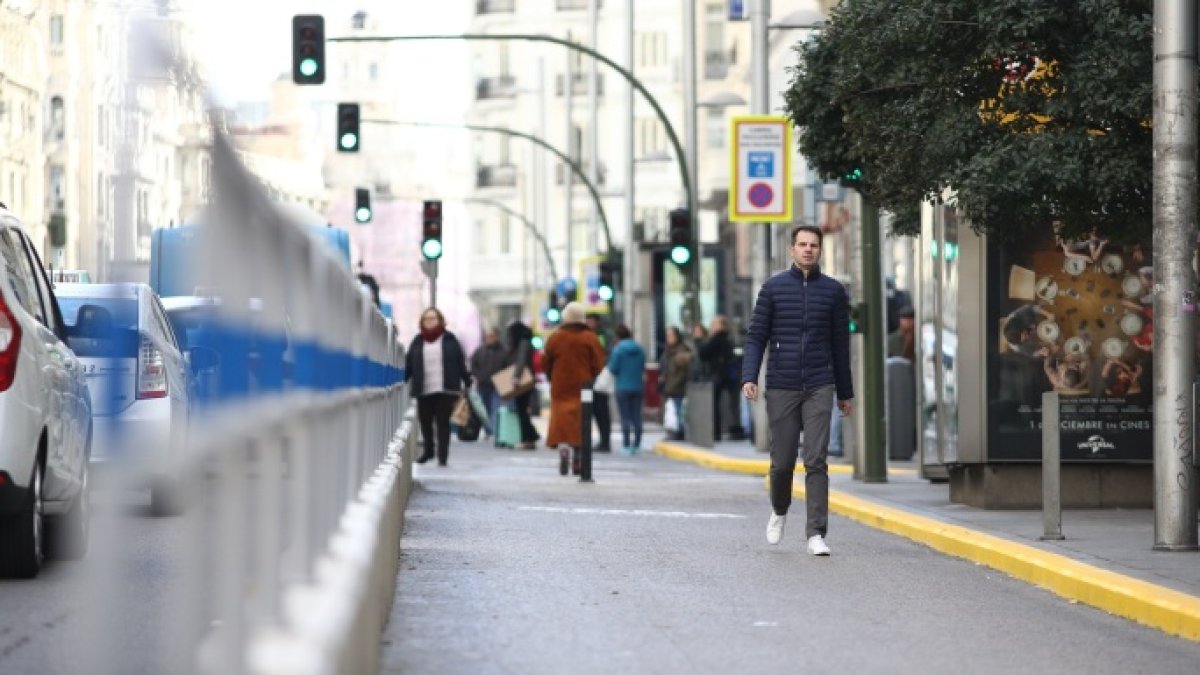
(572, 357)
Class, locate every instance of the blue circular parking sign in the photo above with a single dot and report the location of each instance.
(761, 195)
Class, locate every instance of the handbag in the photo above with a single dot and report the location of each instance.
(506, 387)
(604, 382)
(462, 412)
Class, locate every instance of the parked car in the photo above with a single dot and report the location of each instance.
(270, 358)
(137, 374)
(45, 417)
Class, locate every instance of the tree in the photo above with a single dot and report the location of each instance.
(1036, 114)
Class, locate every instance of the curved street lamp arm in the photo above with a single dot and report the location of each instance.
(529, 226)
(512, 132)
(680, 157)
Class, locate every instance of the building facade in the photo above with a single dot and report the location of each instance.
(22, 92)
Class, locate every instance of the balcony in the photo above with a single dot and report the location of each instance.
(502, 86)
(494, 7)
(561, 171)
(569, 5)
(496, 175)
(578, 84)
(716, 65)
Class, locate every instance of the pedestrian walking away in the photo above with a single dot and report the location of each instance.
(601, 407)
(628, 366)
(486, 361)
(518, 339)
(802, 316)
(572, 358)
(436, 367)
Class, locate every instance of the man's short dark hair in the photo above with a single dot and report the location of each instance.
(623, 332)
(808, 228)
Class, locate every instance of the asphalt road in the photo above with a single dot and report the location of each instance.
(106, 613)
(661, 567)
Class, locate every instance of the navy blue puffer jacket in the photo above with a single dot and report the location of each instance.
(805, 324)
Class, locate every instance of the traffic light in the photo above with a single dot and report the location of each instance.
(362, 205)
(347, 127)
(431, 229)
(308, 49)
(608, 285)
(553, 313)
(858, 317)
(852, 177)
(682, 243)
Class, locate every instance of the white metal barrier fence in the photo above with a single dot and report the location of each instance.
(297, 469)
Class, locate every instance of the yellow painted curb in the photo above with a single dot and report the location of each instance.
(1155, 606)
(753, 467)
(1149, 604)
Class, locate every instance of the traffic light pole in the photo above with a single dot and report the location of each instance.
(873, 468)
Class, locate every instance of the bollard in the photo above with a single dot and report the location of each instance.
(1051, 469)
(585, 445)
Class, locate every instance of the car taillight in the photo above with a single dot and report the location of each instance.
(152, 377)
(10, 345)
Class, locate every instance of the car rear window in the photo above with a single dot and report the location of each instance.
(101, 326)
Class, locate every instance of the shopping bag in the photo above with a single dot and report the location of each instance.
(508, 427)
(462, 412)
(670, 418)
(604, 382)
(505, 385)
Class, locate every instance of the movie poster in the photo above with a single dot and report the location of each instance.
(1072, 316)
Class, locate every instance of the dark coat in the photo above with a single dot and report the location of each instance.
(676, 363)
(806, 324)
(715, 354)
(518, 341)
(454, 365)
(485, 362)
(572, 357)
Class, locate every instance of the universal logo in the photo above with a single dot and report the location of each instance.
(1096, 443)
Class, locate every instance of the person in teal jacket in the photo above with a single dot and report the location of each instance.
(628, 365)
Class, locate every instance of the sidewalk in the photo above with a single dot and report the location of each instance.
(1106, 561)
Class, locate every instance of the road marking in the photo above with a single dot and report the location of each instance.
(626, 512)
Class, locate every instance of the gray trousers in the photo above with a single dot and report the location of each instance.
(789, 413)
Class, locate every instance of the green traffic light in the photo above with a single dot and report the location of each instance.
(363, 214)
(681, 255)
(553, 315)
(854, 175)
(308, 67)
(431, 249)
(349, 141)
(605, 293)
(537, 342)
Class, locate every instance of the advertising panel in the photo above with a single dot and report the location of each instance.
(1072, 316)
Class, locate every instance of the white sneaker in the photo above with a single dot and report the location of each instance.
(775, 529)
(816, 545)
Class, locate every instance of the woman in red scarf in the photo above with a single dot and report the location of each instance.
(436, 367)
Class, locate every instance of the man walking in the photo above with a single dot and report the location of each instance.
(803, 316)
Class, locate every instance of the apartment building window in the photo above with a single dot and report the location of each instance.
(57, 188)
(505, 236)
(650, 136)
(56, 30)
(101, 127)
(373, 72)
(58, 120)
(651, 49)
(716, 127)
(716, 58)
(481, 243)
(359, 20)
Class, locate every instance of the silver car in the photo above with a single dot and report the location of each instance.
(137, 375)
(45, 417)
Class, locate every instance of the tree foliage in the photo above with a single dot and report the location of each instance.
(1036, 114)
